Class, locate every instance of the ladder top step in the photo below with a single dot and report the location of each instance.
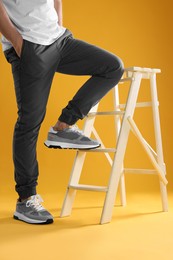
(140, 69)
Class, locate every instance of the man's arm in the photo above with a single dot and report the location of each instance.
(9, 30)
(58, 8)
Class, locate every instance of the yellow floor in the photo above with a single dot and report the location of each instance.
(139, 231)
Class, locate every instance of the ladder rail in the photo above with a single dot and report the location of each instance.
(158, 138)
(121, 147)
(117, 122)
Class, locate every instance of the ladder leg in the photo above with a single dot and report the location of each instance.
(121, 148)
(122, 189)
(158, 139)
(117, 131)
(74, 179)
(77, 169)
(164, 196)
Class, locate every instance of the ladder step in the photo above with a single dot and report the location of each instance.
(88, 187)
(101, 150)
(126, 79)
(105, 113)
(140, 171)
(139, 104)
(140, 69)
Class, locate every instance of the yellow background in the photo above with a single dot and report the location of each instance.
(140, 32)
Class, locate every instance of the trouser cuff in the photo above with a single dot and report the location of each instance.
(70, 115)
(27, 193)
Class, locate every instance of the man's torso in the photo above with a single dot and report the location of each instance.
(36, 21)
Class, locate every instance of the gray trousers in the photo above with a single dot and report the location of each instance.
(33, 73)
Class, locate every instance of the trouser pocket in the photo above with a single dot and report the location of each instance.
(11, 55)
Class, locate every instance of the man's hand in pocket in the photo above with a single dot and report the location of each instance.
(17, 44)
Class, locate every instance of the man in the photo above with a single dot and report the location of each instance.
(37, 46)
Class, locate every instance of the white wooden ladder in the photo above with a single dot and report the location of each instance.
(124, 122)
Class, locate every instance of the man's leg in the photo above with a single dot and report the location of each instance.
(32, 85)
(33, 73)
(82, 58)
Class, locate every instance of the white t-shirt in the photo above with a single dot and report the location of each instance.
(36, 21)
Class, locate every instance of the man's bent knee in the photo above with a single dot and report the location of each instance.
(116, 68)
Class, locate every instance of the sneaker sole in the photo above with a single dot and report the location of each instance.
(21, 217)
(60, 145)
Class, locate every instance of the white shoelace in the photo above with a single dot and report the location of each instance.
(76, 129)
(35, 202)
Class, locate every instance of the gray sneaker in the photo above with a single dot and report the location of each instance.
(31, 211)
(71, 138)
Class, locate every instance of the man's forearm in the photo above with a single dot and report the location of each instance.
(58, 8)
(6, 26)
